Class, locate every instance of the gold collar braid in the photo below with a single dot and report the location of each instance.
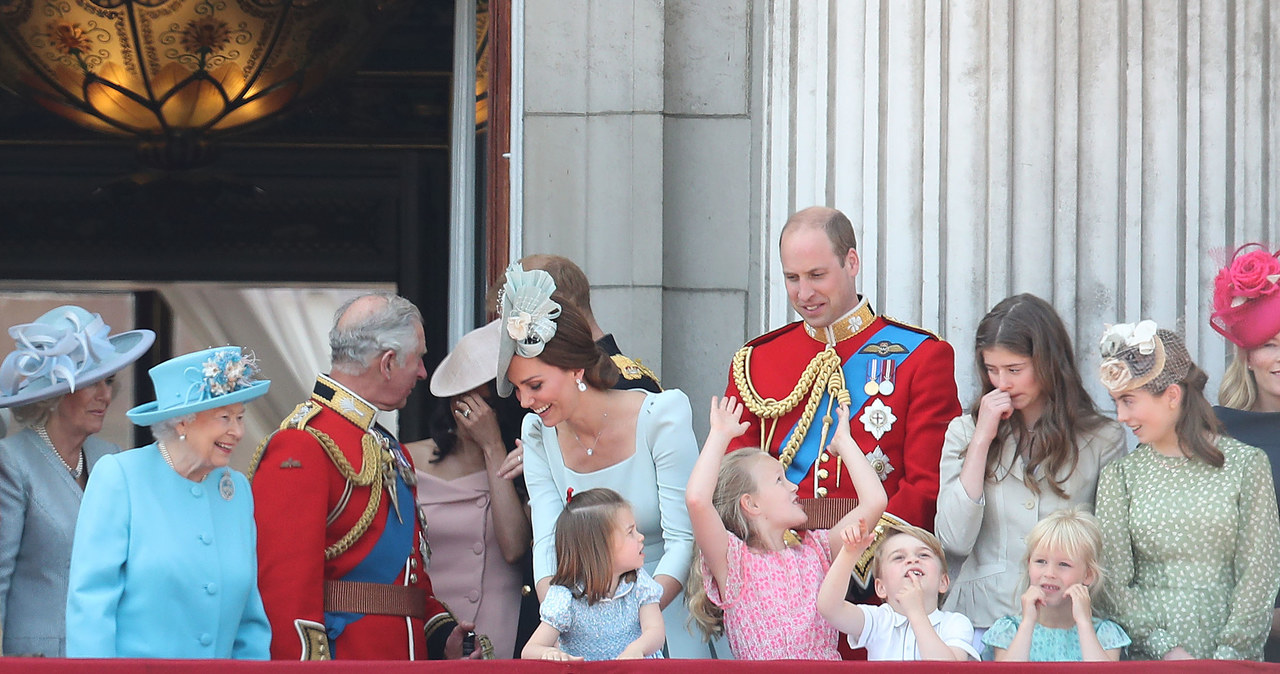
(823, 373)
(376, 460)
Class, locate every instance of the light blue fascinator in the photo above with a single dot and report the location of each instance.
(63, 351)
(528, 318)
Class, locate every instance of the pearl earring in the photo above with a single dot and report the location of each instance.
(183, 437)
(581, 386)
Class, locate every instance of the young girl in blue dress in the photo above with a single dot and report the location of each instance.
(601, 605)
(1057, 622)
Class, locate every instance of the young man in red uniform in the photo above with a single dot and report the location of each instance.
(898, 379)
(341, 546)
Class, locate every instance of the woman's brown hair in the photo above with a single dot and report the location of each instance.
(1028, 326)
(584, 544)
(573, 349)
(1197, 425)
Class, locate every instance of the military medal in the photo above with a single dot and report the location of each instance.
(226, 487)
(872, 386)
(877, 418)
(880, 463)
(886, 381)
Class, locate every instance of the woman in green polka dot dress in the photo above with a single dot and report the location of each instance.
(1191, 535)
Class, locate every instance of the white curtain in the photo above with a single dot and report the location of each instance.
(286, 328)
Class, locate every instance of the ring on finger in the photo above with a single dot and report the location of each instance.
(466, 411)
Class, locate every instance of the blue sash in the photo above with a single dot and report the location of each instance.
(385, 561)
(855, 371)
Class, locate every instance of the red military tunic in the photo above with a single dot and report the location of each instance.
(298, 484)
(923, 401)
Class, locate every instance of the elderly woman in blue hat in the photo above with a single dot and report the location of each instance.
(59, 381)
(164, 563)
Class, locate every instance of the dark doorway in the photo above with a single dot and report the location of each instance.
(350, 186)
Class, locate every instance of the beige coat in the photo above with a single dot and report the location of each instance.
(985, 541)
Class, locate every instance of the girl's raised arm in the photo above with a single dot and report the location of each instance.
(871, 497)
(708, 529)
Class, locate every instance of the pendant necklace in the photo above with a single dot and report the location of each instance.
(594, 441)
(75, 472)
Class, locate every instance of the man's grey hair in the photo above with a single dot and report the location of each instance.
(393, 326)
(167, 429)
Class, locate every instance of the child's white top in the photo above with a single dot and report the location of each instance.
(888, 636)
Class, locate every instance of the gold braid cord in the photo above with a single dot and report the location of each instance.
(823, 373)
(371, 470)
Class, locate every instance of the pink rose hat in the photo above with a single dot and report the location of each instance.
(1246, 297)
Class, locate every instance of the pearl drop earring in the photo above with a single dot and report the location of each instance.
(581, 386)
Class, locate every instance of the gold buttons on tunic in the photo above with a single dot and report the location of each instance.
(822, 492)
(822, 473)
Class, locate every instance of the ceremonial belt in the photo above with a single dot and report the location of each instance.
(347, 596)
(824, 513)
(812, 445)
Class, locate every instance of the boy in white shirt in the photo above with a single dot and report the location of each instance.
(910, 576)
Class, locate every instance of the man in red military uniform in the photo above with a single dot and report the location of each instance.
(341, 546)
(898, 378)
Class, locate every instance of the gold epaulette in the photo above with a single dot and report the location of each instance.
(862, 570)
(909, 326)
(369, 475)
(632, 369)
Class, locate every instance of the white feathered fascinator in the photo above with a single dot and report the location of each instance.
(528, 317)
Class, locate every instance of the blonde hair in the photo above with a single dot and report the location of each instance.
(1074, 532)
(1239, 389)
(37, 413)
(734, 480)
(584, 544)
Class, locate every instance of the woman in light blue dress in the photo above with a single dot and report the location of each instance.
(164, 563)
(584, 434)
(60, 381)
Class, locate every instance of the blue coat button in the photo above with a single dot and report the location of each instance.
(211, 588)
(206, 639)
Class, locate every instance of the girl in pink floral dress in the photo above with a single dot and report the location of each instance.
(755, 587)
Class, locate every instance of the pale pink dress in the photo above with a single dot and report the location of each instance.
(770, 601)
(468, 572)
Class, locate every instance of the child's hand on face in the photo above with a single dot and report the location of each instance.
(559, 655)
(856, 537)
(1081, 603)
(726, 417)
(1032, 600)
(911, 597)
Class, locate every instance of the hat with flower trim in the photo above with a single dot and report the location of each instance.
(1142, 355)
(528, 318)
(66, 349)
(200, 381)
(1246, 297)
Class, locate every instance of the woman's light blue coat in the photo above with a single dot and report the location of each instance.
(163, 567)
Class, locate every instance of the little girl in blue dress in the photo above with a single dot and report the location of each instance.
(601, 604)
(1057, 622)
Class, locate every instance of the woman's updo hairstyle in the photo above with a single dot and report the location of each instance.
(572, 348)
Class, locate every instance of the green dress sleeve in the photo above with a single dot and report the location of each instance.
(1120, 600)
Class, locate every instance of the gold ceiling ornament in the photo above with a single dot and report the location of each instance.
(176, 74)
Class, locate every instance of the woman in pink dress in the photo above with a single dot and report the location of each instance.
(477, 521)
